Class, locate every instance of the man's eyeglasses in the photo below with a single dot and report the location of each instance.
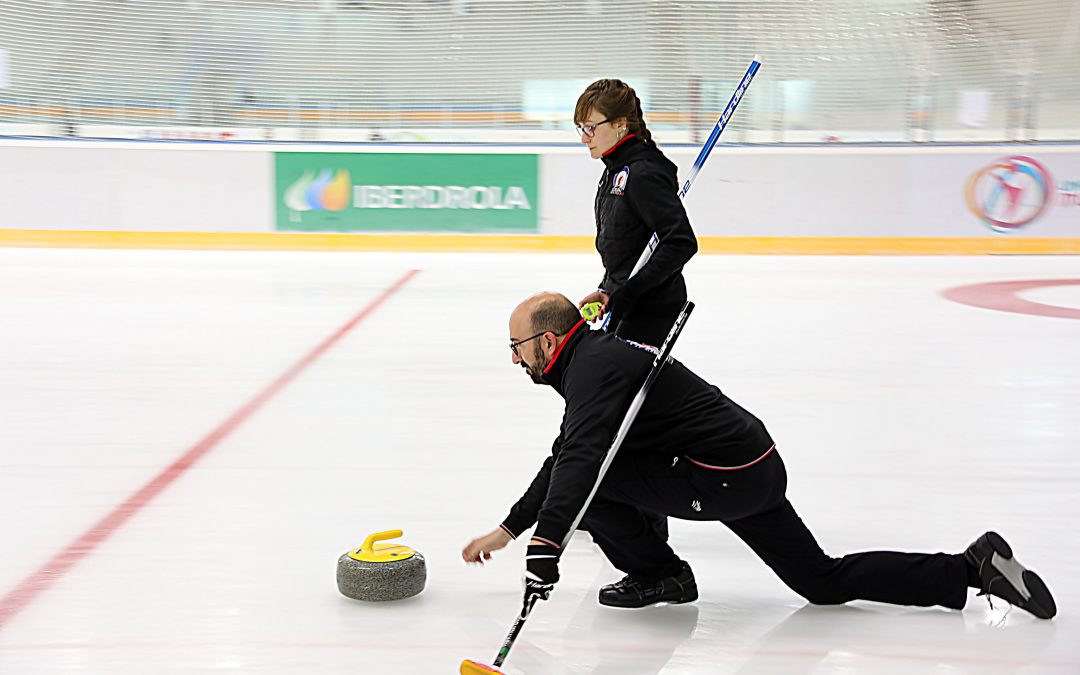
(514, 344)
(590, 129)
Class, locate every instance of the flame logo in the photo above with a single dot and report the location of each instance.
(324, 191)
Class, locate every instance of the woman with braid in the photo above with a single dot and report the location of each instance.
(638, 195)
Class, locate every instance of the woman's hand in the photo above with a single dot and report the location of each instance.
(478, 550)
(595, 296)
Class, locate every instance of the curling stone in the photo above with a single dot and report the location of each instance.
(379, 572)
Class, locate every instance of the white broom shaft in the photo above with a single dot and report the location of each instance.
(721, 124)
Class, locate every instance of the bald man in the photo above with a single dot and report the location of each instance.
(693, 453)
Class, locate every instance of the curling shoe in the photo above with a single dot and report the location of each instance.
(633, 593)
(999, 574)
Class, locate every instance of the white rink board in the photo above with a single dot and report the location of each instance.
(826, 192)
(742, 191)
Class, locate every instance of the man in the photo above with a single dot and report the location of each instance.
(693, 453)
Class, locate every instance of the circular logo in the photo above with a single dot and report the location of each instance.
(1010, 193)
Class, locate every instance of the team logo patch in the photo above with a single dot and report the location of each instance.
(618, 184)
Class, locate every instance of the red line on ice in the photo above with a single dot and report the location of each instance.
(40, 581)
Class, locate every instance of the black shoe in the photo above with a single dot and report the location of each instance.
(630, 592)
(999, 574)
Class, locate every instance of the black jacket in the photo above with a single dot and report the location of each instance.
(598, 374)
(638, 194)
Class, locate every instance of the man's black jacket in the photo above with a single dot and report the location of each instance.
(638, 194)
(598, 374)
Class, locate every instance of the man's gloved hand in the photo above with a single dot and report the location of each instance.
(541, 572)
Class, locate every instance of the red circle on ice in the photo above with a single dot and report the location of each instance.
(1003, 296)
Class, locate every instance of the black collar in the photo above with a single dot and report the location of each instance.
(620, 153)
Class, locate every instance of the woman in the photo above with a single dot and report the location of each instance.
(637, 196)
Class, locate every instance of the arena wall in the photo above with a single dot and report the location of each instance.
(821, 199)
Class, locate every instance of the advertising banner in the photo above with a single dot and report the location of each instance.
(405, 192)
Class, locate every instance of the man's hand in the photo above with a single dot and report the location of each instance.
(478, 550)
(541, 572)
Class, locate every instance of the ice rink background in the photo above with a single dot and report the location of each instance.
(907, 421)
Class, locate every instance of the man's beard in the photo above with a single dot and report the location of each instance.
(536, 376)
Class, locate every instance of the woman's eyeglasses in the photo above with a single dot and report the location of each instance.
(590, 129)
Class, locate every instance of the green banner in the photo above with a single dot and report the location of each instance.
(405, 192)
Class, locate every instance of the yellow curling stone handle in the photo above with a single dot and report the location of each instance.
(369, 551)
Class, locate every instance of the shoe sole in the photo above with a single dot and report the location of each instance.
(658, 602)
(1036, 596)
(651, 604)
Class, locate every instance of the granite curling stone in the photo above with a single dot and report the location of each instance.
(379, 572)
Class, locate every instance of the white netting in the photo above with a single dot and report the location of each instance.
(886, 70)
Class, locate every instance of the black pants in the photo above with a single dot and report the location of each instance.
(648, 325)
(751, 503)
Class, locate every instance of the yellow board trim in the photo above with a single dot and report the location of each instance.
(523, 243)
